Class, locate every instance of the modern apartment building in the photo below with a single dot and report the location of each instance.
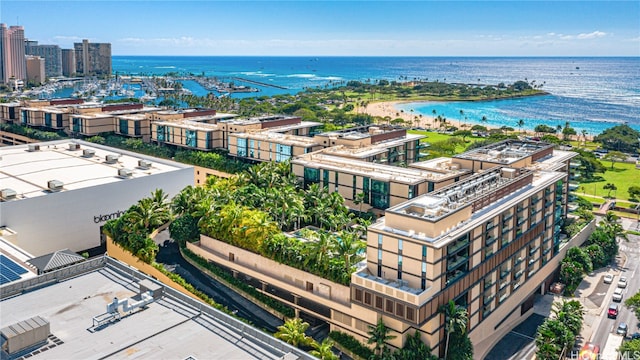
(68, 62)
(382, 185)
(12, 54)
(93, 58)
(51, 54)
(35, 70)
(489, 241)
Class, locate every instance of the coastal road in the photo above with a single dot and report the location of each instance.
(631, 270)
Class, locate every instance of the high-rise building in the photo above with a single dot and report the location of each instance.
(93, 58)
(52, 56)
(12, 60)
(36, 73)
(68, 62)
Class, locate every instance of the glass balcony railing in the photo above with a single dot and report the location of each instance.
(507, 217)
(454, 248)
(457, 261)
(489, 284)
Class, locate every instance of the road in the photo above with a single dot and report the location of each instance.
(630, 249)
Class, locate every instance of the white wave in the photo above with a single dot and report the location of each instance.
(256, 73)
(164, 67)
(303, 76)
(326, 78)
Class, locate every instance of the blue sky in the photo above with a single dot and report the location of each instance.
(358, 28)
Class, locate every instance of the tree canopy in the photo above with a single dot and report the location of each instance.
(621, 138)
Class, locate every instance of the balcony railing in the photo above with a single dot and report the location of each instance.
(452, 249)
(504, 273)
(507, 217)
(490, 240)
(457, 262)
(489, 284)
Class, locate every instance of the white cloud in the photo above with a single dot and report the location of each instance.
(591, 35)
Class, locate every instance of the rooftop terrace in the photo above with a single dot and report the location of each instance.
(507, 152)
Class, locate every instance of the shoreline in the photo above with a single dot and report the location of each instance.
(389, 109)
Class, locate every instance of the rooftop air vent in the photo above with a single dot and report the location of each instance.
(74, 146)
(54, 185)
(7, 194)
(88, 153)
(125, 173)
(144, 164)
(33, 147)
(111, 159)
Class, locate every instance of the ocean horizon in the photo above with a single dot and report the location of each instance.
(591, 93)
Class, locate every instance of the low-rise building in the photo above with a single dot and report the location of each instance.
(57, 195)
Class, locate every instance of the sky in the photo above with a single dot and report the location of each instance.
(336, 28)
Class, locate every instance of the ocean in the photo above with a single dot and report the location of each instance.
(592, 94)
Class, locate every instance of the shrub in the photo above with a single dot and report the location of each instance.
(350, 343)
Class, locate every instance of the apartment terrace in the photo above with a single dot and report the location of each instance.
(363, 151)
(508, 152)
(366, 169)
(266, 121)
(189, 124)
(277, 137)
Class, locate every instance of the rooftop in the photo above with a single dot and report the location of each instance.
(362, 132)
(75, 164)
(259, 119)
(302, 141)
(189, 124)
(505, 152)
(373, 149)
(173, 326)
(381, 172)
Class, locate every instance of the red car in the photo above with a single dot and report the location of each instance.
(613, 311)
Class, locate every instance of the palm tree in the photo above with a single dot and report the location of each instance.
(292, 332)
(323, 350)
(348, 246)
(570, 313)
(379, 335)
(520, 124)
(455, 320)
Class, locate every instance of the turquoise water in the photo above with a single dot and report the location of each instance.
(591, 93)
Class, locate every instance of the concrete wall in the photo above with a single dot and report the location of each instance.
(72, 219)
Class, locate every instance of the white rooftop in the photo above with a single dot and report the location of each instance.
(28, 172)
(173, 326)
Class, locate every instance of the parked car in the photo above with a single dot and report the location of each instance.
(613, 311)
(622, 329)
(622, 283)
(589, 351)
(635, 336)
(608, 279)
(617, 294)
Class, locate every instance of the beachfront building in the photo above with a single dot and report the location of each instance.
(93, 58)
(197, 129)
(13, 68)
(489, 242)
(380, 185)
(52, 55)
(57, 195)
(48, 114)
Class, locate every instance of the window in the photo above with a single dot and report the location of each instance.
(358, 295)
(367, 298)
(191, 139)
(413, 191)
(430, 186)
(424, 251)
(379, 239)
(77, 124)
(311, 175)
(58, 120)
(242, 147)
(283, 152)
(252, 148)
(388, 306)
(160, 133)
(379, 302)
(325, 178)
(379, 194)
(400, 310)
(399, 244)
(411, 314)
(365, 189)
(379, 254)
(47, 119)
(124, 127)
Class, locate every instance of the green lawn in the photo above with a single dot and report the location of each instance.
(436, 136)
(622, 175)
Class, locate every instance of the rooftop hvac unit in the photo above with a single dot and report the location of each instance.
(54, 185)
(144, 164)
(88, 153)
(7, 194)
(125, 173)
(74, 146)
(111, 159)
(33, 147)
